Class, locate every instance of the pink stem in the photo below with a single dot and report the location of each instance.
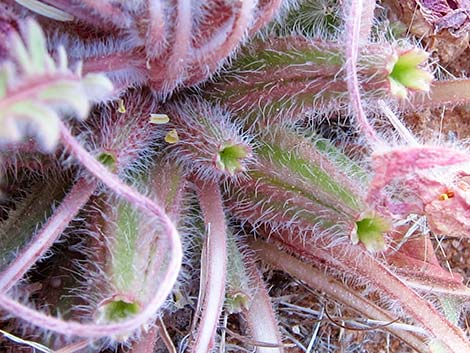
(74, 347)
(109, 11)
(359, 262)
(210, 55)
(446, 92)
(353, 32)
(171, 70)
(367, 19)
(155, 38)
(146, 205)
(146, 342)
(260, 315)
(112, 62)
(213, 268)
(319, 281)
(49, 233)
(114, 183)
(265, 14)
(93, 12)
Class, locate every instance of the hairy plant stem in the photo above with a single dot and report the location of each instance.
(146, 343)
(125, 191)
(167, 74)
(268, 10)
(213, 266)
(50, 232)
(154, 303)
(358, 262)
(353, 35)
(260, 316)
(282, 78)
(156, 31)
(211, 54)
(445, 92)
(112, 62)
(102, 14)
(318, 280)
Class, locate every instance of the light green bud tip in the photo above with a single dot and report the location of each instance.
(107, 159)
(236, 302)
(230, 157)
(370, 232)
(119, 310)
(408, 73)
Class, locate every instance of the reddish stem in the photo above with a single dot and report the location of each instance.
(359, 262)
(265, 14)
(146, 342)
(319, 281)
(353, 32)
(446, 92)
(211, 54)
(93, 12)
(49, 233)
(213, 267)
(168, 72)
(156, 31)
(169, 277)
(260, 315)
(112, 62)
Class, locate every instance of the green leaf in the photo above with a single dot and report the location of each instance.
(34, 89)
(42, 117)
(37, 47)
(67, 93)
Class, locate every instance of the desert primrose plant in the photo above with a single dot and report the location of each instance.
(199, 135)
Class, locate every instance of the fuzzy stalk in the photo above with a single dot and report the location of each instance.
(260, 315)
(318, 280)
(169, 277)
(443, 93)
(310, 186)
(213, 267)
(156, 29)
(357, 262)
(135, 252)
(146, 342)
(246, 294)
(282, 77)
(49, 233)
(211, 55)
(266, 12)
(354, 29)
(165, 75)
(103, 14)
